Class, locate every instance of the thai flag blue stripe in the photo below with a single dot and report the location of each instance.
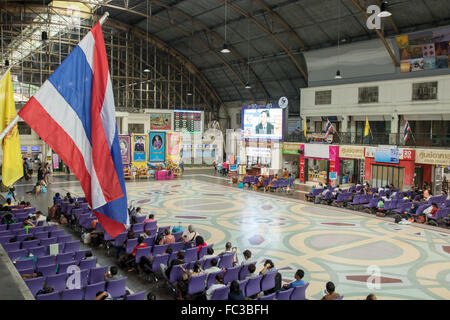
(73, 80)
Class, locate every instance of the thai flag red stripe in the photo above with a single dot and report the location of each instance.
(101, 154)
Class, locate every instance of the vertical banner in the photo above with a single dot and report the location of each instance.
(139, 142)
(157, 147)
(173, 146)
(55, 161)
(125, 149)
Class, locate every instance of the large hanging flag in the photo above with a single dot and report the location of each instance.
(406, 131)
(367, 130)
(328, 129)
(74, 113)
(12, 167)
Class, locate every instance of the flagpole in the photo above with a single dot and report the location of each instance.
(16, 119)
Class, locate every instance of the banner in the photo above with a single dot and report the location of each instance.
(387, 154)
(160, 121)
(55, 161)
(125, 149)
(139, 147)
(157, 147)
(173, 146)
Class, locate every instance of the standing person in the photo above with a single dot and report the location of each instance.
(47, 174)
(40, 176)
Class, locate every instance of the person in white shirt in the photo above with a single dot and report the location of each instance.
(213, 267)
(190, 234)
(40, 217)
(214, 287)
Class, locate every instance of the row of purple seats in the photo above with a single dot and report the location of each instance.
(42, 250)
(314, 194)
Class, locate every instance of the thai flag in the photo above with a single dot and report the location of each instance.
(74, 113)
(328, 129)
(407, 131)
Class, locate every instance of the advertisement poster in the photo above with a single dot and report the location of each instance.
(160, 121)
(173, 146)
(386, 155)
(125, 148)
(262, 123)
(139, 147)
(157, 147)
(55, 161)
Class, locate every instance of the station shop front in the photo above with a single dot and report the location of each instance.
(291, 157)
(432, 166)
(352, 163)
(319, 163)
(398, 170)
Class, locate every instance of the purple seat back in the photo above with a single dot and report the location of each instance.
(140, 219)
(150, 241)
(177, 246)
(15, 226)
(268, 297)
(151, 225)
(138, 227)
(38, 251)
(41, 235)
(196, 284)
(159, 249)
(421, 209)
(339, 298)
(268, 281)
(212, 278)
(221, 293)
(25, 264)
(13, 246)
(14, 255)
(254, 286)
(143, 252)
(48, 296)
(72, 246)
(136, 296)
(35, 284)
(116, 288)
(284, 294)
(175, 274)
(91, 290)
(88, 264)
(120, 239)
(299, 293)
(158, 260)
(203, 250)
(177, 236)
(190, 255)
(73, 294)
(231, 274)
(97, 274)
(64, 257)
(49, 241)
(58, 281)
(47, 270)
(226, 261)
(64, 238)
(30, 244)
(131, 244)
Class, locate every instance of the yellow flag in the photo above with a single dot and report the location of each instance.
(367, 130)
(12, 167)
(305, 128)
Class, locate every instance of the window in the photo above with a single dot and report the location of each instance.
(24, 129)
(238, 118)
(368, 95)
(135, 128)
(323, 97)
(318, 126)
(425, 91)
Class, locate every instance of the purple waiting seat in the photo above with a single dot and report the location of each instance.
(13, 246)
(88, 264)
(3, 227)
(157, 261)
(57, 233)
(190, 255)
(25, 264)
(80, 254)
(35, 284)
(226, 261)
(221, 293)
(58, 281)
(177, 246)
(268, 281)
(91, 290)
(14, 255)
(116, 288)
(97, 274)
(441, 214)
(62, 267)
(206, 263)
(131, 244)
(22, 237)
(136, 296)
(30, 244)
(72, 246)
(25, 271)
(175, 274)
(196, 284)
(243, 285)
(403, 207)
(150, 241)
(284, 294)
(38, 251)
(421, 209)
(140, 219)
(15, 226)
(159, 249)
(253, 286)
(299, 293)
(372, 204)
(50, 228)
(6, 233)
(151, 225)
(268, 297)
(64, 238)
(143, 252)
(162, 229)
(73, 294)
(48, 270)
(41, 235)
(172, 257)
(48, 296)
(212, 278)
(231, 274)
(138, 228)
(64, 257)
(339, 298)
(243, 272)
(49, 241)
(5, 239)
(204, 250)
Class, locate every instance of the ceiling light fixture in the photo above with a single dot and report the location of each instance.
(225, 45)
(338, 72)
(384, 10)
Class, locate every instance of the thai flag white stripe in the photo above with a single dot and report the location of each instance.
(63, 114)
(108, 115)
(88, 45)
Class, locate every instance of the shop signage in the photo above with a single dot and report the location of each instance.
(370, 152)
(407, 154)
(427, 156)
(291, 148)
(317, 151)
(302, 169)
(351, 152)
(258, 152)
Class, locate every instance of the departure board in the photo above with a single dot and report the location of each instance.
(188, 121)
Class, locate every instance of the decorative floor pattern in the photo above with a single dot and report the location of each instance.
(359, 254)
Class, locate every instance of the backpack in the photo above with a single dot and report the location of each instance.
(397, 218)
(381, 214)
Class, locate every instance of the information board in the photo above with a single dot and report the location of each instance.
(188, 121)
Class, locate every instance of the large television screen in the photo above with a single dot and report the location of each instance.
(262, 123)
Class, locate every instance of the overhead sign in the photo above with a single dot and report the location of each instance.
(387, 155)
(351, 152)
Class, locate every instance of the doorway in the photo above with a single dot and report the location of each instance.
(418, 177)
(385, 175)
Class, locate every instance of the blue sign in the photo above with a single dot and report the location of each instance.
(233, 167)
(157, 147)
(333, 175)
(387, 155)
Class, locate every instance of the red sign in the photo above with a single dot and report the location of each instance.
(332, 167)
(302, 170)
(409, 154)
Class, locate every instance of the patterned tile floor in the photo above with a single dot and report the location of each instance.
(360, 254)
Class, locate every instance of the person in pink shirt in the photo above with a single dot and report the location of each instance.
(168, 238)
(151, 217)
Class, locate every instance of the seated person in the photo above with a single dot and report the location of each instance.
(151, 217)
(299, 274)
(56, 197)
(167, 238)
(209, 253)
(285, 174)
(111, 273)
(190, 234)
(213, 267)
(271, 182)
(175, 262)
(131, 261)
(182, 285)
(149, 261)
(330, 292)
(247, 256)
(8, 203)
(260, 183)
(235, 292)
(211, 289)
(432, 213)
(199, 243)
(251, 272)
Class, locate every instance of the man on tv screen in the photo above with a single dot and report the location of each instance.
(264, 127)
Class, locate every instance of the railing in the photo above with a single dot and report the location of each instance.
(376, 138)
